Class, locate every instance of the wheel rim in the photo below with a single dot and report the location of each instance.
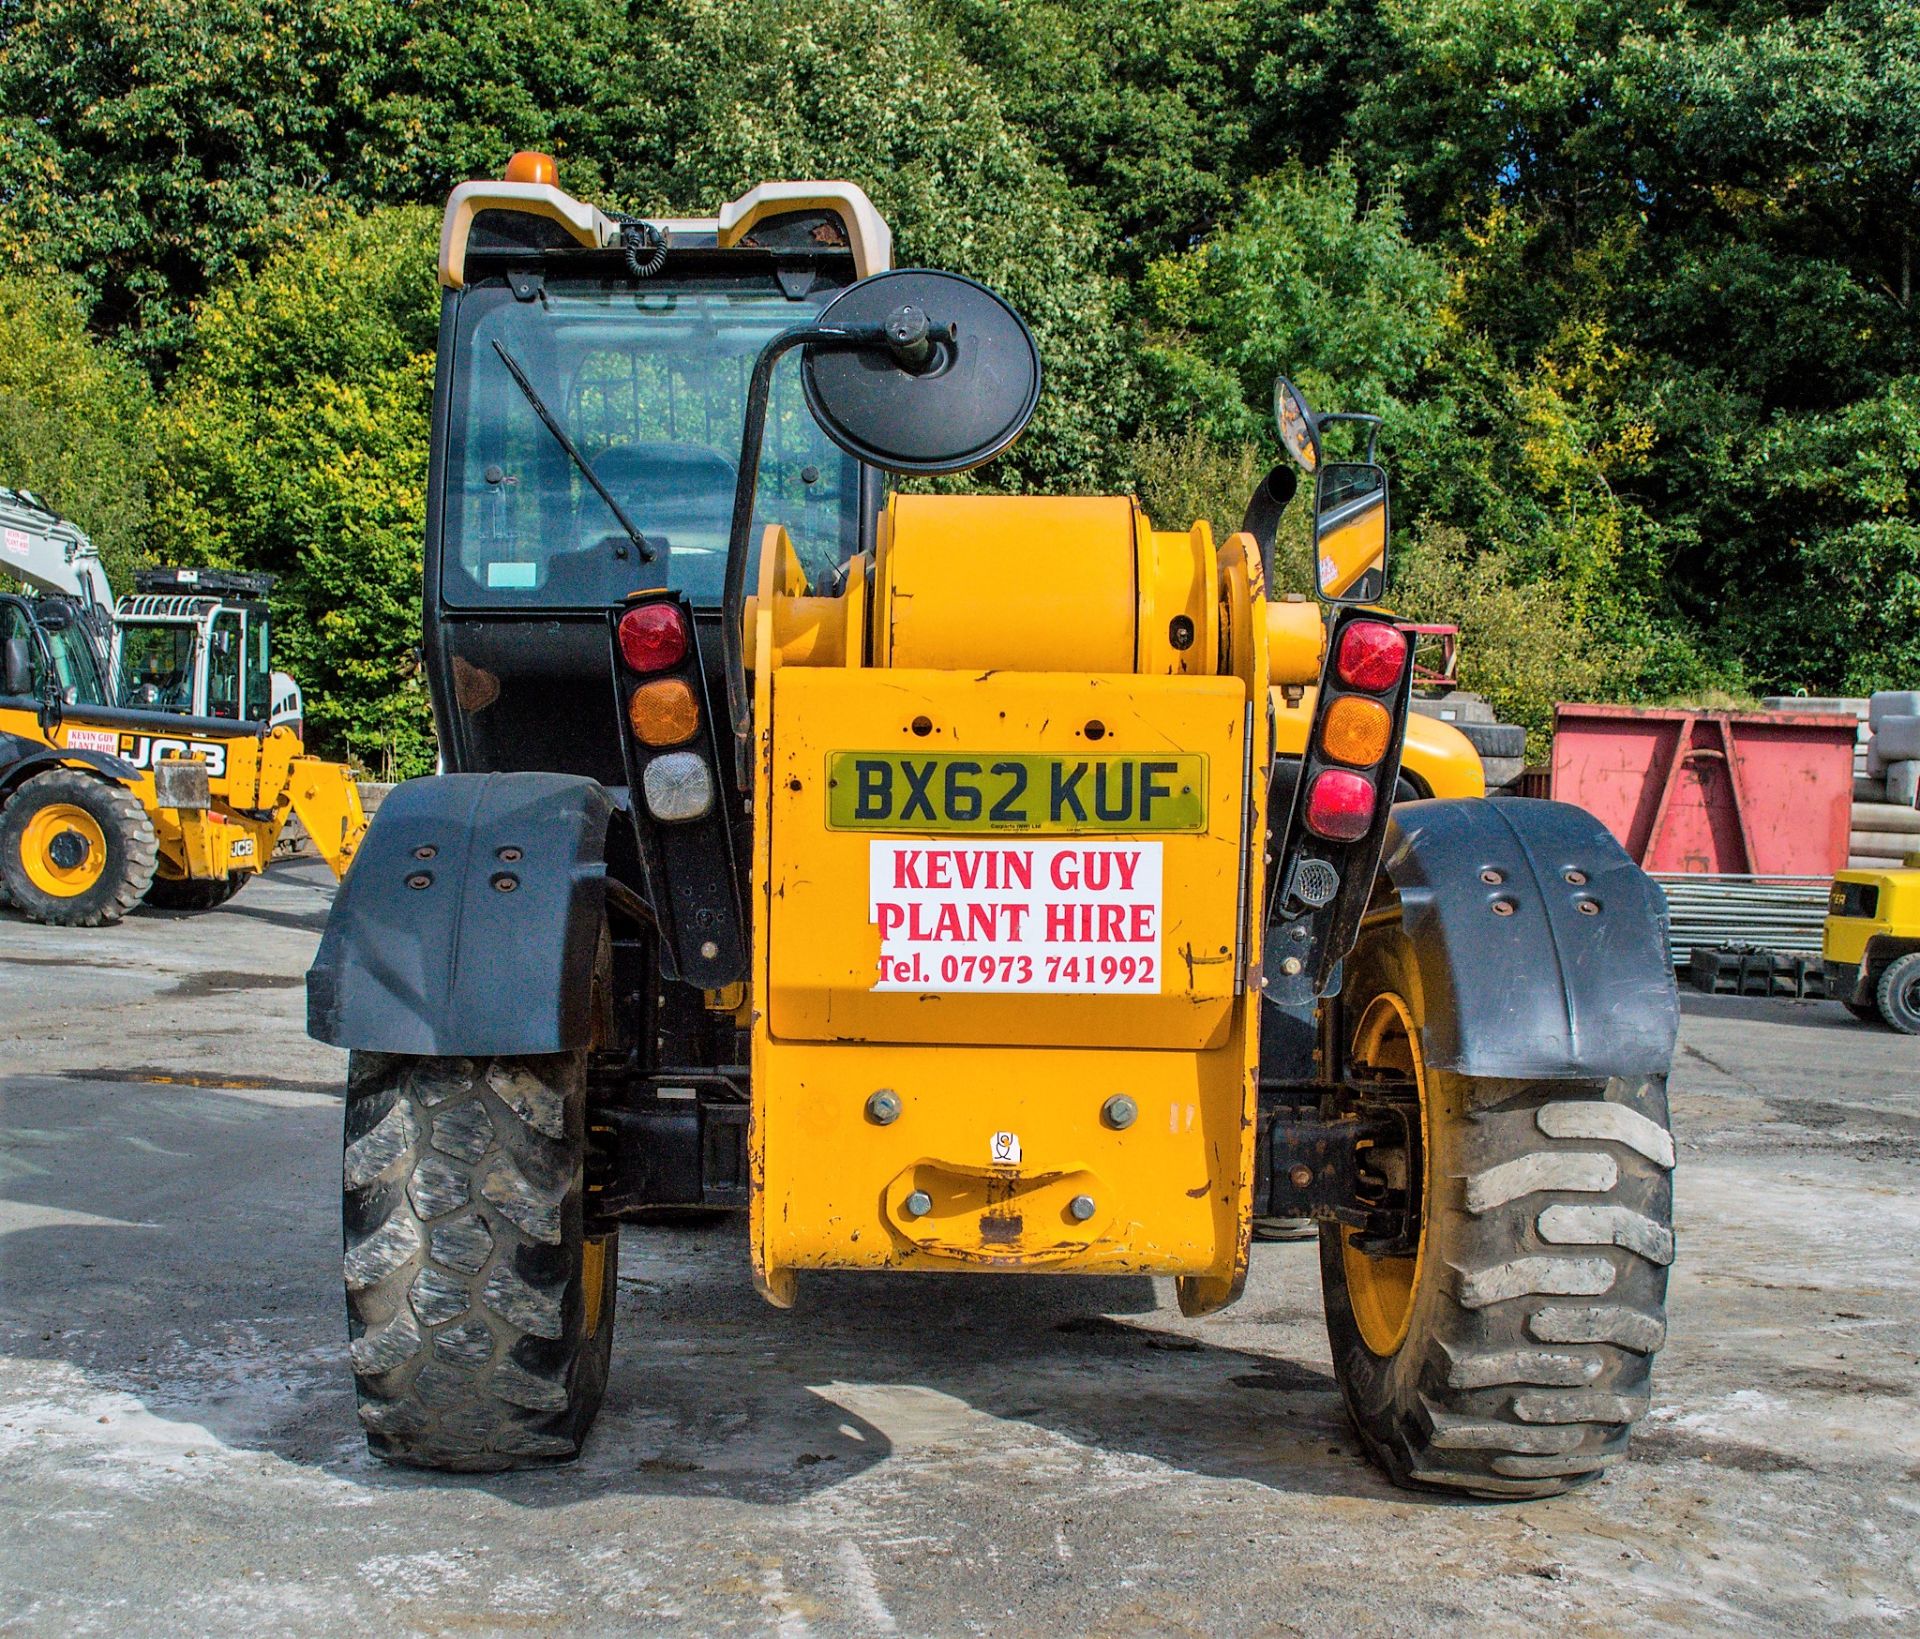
(1381, 1290)
(593, 1280)
(63, 850)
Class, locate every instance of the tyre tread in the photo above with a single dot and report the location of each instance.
(1553, 1210)
(462, 1206)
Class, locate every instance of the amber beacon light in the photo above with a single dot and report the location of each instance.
(529, 165)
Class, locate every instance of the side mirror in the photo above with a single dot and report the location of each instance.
(1350, 517)
(16, 668)
(1298, 426)
(921, 373)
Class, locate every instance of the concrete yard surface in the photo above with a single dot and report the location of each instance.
(906, 1455)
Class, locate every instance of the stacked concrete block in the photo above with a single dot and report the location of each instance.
(1886, 813)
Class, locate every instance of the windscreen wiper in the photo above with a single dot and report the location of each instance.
(547, 420)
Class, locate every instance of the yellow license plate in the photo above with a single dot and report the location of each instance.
(1015, 791)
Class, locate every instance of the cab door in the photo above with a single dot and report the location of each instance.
(226, 653)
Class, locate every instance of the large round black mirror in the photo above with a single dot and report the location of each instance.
(958, 385)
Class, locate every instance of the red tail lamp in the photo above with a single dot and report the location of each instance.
(653, 637)
(1340, 805)
(1372, 656)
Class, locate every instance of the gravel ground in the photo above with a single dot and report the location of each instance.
(178, 1450)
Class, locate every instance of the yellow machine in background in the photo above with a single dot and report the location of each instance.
(101, 807)
(1871, 944)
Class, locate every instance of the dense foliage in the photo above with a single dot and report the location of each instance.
(1633, 286)
(295, 440)
(73, 421)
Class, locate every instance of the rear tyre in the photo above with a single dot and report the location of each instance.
(185, 893)
(480, 1313)
(75, 851)
(1512, 1355)
(1898, 994)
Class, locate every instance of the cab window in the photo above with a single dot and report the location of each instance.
(224, 656)
(257, 706)
(651, 386)
(66, 640)
(156, 667)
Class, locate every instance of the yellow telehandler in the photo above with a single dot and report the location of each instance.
(955, 882)
(103, 805)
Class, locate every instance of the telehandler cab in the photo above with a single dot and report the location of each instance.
(957, 882)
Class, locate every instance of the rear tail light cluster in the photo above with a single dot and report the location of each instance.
(1328, 856)
(681, 828)
(1370, 659)
(664, 712)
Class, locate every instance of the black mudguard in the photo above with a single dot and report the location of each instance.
(1545, 990)
(22, 758)
(437, 944)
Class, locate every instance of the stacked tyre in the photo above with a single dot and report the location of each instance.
(1502, 746)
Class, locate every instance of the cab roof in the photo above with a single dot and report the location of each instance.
(527, 211)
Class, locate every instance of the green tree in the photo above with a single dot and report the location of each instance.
(1310, 281)
(295, 440)
(73, 420)
(870, 90)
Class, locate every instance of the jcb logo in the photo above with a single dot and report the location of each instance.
(145, 750)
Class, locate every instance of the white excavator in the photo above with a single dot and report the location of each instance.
(186, 642)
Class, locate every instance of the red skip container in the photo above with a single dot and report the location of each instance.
(1758, 793)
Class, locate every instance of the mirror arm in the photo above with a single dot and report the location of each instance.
(752, 437)
(1370, 422)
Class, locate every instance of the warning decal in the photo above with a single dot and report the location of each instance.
(1078, 918)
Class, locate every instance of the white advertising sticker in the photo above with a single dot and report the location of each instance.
(93, 739)
(1068, 917)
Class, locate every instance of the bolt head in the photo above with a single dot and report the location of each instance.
(1120, 1111)
(1080, 1208)
(883, 1107)
(1291, 967)
(1300, 1175)
(919, 1204)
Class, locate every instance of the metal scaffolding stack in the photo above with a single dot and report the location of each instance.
(1782, 913)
